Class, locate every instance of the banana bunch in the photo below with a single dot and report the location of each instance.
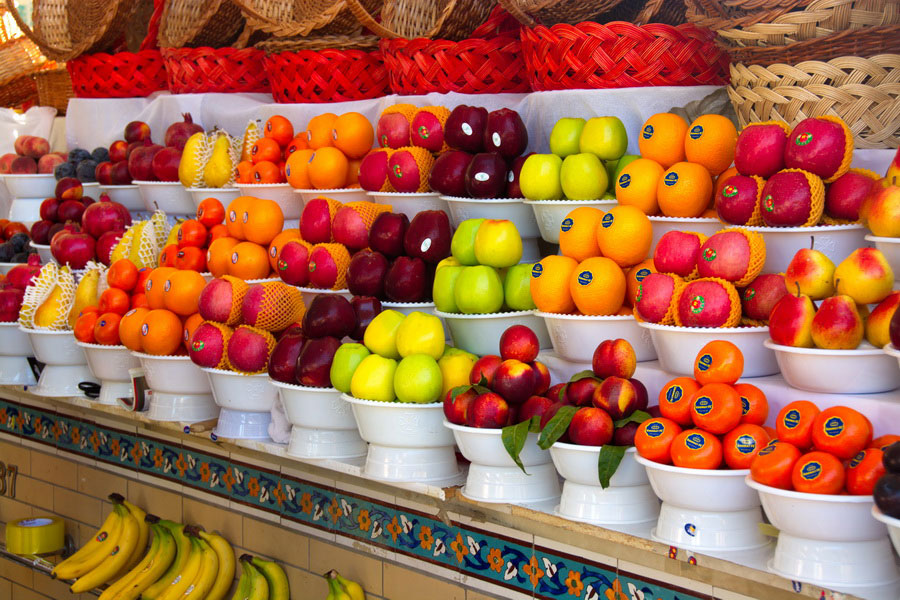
(48, 299)
(341, 588)
(142, 242)
(88, 291)
(261, 580)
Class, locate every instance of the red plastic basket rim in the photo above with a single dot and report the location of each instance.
(341, 81)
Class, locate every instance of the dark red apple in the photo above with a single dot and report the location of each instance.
(314, 361)
(366, 273)
(464, 129)
(406, 280)
(387, 233)
(448, 175)
(70, 210)
(486, 176)
(329, 315)
(366, 309)
(428, 236)
(283, 361)
(513, 189)
(505, 133)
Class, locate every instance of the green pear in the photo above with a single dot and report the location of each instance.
(837, 324)
(462, 245)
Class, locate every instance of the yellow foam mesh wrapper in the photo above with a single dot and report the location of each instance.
(234, 153)
(425, 160)
(756, 219)
(282, 305)
(195, 157)
(37, 292)
(757, 244)
(227, 332)
(161, 228)
(52, 298)
(270, 340)
(694, 274)
(865, 173)
(407, 110)
(369, 211)
(341, 258)
(734, 315)
(848, 146)
(669, 318)
(250, 137)
(123, 246)
(239, 289)
(442, 113)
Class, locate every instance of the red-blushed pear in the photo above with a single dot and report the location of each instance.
(617, 396)
(790, 322)
(614, 358)
(520, 343)
(535, 406)
(677, 252)
(464, 129)
(894, 329)
(810, 272)
(881, 210)
(591, 426)
(581, 392)
(514, 380)
(761, 295)
(283, 361)
(878, 322)
(456, 409)
(837, 324)
(865, 276)
(485, 368)
(488, 411)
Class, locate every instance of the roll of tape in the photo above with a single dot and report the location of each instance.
(38, 535)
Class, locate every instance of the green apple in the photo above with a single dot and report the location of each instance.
(381, 334)
(447, 262)
(583, 177)
(517, 287)
(374, 379)
(478, 290)
(418, 379)
(420, 333)
(605, 137)
(344, 364)
(621, 164)
(565, 135)
(539, 177)
(455, 368)
(442, 290)
(462, 246)
(498, 243)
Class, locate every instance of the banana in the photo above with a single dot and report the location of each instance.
(279, 588)
(92, 553)
(86, 294)
(218, 171)
(115, 589)
(143, 533)
(193, 160)
(187, 575)
(336, 591)
(206, 578)
(115, 560)
(225, 554)
(353, 589)
(243, 587)
(259, 585)
(183, 553)
(146, 574)
(251, 135)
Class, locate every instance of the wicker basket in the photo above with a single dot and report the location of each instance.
(437, 19)
(329, 69)
(620, 54)
(302, 17)
(64, 29)
(120, 75)
(54, 88)
(19, 57)
(788, 23)
(861, 91)
(552, 12)
(19, 91)
(851, 42)
(193, 24)
(223, 70)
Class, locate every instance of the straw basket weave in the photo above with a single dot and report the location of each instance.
(552, 12)
(292, 18)
(54, 88)
(861, 91)
(193, 24)
(452, 20)
(119, 75)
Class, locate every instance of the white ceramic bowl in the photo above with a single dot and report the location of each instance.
(128, 196)
(322, 423)
(578, 464)
(223, 195)
(890, 350)
(549, 214)
(181, 390)
(282, 193)
(309, 293)
(835, 241)
(247, 393)
(44, 252)
(55, 347)
(25, 210)
(6, 267)
(409, 204)
(242, 425)
(408, 307)
(865, 370)
(712, 490)
(485, 447)
(15, 347)
(677, 347)
(575, 337)
(167, 196)
(890, 247)
(39, 185)
(110, 364)
(91, 188)
(893, 526)
(663, 225)
(480, 334)
(512, 209)
(342, 195)
(14, 341)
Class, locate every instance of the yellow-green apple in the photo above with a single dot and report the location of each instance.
(810, 272)
(381, 334)
(790, 322)
(373, 379)
(565, 135)
(420, 333)
(623, 162)
(346, 360)
(448, 262)
(591, 426)
(837, 324)
(614, 358)
(879, 321)
(418, 380)
(484, 368)
(539, 178)
(457, 408)
(583, 177)
(865, 276)
(498, 243)
(604, 136)
(517, 287)
(456, 366)
(462, 246)
(514, 380)
(443, 288)
(478, 290)
(617, 396)
(519, 342)
(488, 411)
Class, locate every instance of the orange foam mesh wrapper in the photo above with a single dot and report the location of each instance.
(407, 110)
(442, 113)
(865, 173)
(757, 253)
(734, 299)
(239, 289)
(369, 211)
(694, 274)
(424, 160)
(847, 158)
(227, 332)
(270, 342)
(756, 219)
(669, 318)
(341, 258)
(281, 305)
(816, 196)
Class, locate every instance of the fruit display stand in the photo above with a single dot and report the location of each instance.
(110, 365)
(245, 402)
(65, 365)
(15, 349)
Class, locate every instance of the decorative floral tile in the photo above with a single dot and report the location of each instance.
(487, 556)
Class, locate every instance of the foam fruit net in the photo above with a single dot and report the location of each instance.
(281, 305)
(270, 341)
(734, 299)
(239, 289)
(51, 277)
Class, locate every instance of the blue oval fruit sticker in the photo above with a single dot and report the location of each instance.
(834, 426)
(791, 419)
(585, 277)
(648, 132)
(745, 444)
(674, 394)
(625, 180)
(655, 429)
(703, 405)
(671, 179)
(704, 362)
(811, 470)
(607, 220)
(566, 224)
(695, 441)
(536, 270)
(696, 132)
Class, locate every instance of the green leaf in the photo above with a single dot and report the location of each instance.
(582, 375)
(562, 393)
(514, 437)
(483, 382)
(481, 389)
(460, 389)
(637, 416)
(556, 426)
(535, 426)
(608, 462)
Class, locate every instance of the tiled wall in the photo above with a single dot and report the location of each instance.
(396, 548)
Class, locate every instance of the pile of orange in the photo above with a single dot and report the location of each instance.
(680, 165)
(603, 260)
(709, 419)
(192, 238)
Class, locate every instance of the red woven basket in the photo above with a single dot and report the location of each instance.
(120, 75)
(620, 54)
(327, 75)
(224, 70)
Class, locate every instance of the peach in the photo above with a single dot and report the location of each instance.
(19, 144)
(23, 165)
(514, 380)
(520, 343)
(581, 392)
(488, 411)
(617, 396)
(542, 377)
(614, 357)
(36, 147)
(591, 426)
(48, 162)
(457, 409)
(484, 369)
(6, 162)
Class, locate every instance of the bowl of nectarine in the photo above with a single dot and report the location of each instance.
(863, 370)
(478, 333)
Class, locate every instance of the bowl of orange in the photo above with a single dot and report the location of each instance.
(550, 214)
(342, 195)
(112, 366)
(409, 204)
(863, 370)
(478, 333)
(64, 363)
(128, 196)
(168, 196)
(512, 209)
(574, 337)
(282, 193)
(223, 195)
(835, 241)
